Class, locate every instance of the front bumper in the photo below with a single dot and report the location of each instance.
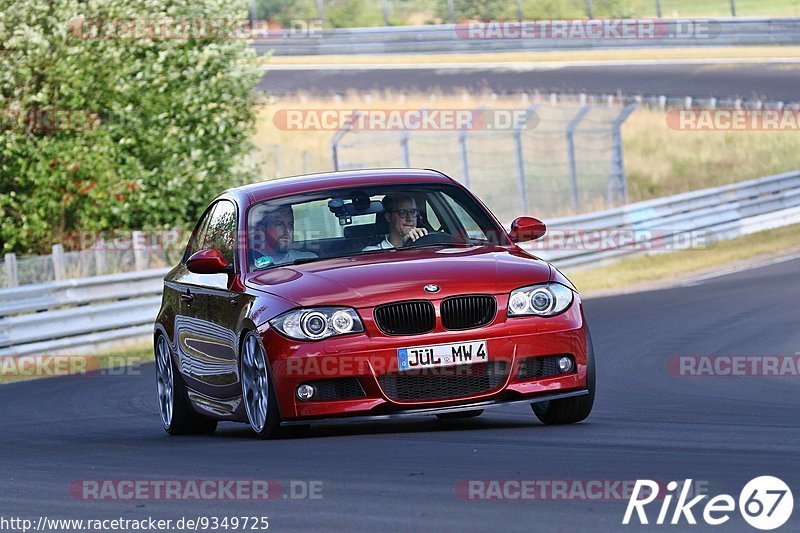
(402, 414)
(370, 355)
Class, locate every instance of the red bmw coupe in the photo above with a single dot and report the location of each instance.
(365, 295)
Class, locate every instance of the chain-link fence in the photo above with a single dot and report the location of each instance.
(562, 159)
(113, 257)
(278, 161)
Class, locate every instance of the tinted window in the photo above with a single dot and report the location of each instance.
(221, 230)
(199, 235)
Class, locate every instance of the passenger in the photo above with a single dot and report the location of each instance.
(400, 211)
(273, 239)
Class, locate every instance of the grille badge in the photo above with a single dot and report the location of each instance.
(431, 288)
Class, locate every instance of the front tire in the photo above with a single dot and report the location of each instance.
(177, 415)
(571, 410)
(258, 392)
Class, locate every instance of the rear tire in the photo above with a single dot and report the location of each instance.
(460, 415)
(571, 410)
(177, 415)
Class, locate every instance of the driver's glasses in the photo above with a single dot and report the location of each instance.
(406, 213)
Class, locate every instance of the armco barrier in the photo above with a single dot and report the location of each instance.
(37, 319)
(445, 38)
(722, 212)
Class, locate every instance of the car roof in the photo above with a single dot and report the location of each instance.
(264, 190)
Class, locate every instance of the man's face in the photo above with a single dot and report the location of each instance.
(402, 219)
(278, 228)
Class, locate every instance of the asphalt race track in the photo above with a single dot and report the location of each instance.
(775, 82)
(646, 424)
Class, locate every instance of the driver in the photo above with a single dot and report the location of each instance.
(274, 239)
(401, 213)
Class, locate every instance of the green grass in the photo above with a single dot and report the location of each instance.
(660, 161)
(645, 272)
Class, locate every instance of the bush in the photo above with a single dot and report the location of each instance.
(159, 126)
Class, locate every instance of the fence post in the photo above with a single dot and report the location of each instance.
(139, 257)
(58, 262)
(617, 162)
(385, 12)
(406, 159)
(589, 9)
(658, 8)
(451, 15)
(338, 137)
(335, 153)
(733, 8)
(11, 270)
(573, 170)
(523, 186)
(462, 142)
(277, 151)
(100, 256)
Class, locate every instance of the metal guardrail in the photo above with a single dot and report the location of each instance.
(661, 224)
(63, 315)
(444, 38)
(74, 313)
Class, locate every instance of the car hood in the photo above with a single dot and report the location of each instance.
(372, 279)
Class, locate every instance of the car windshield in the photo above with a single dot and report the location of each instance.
(349, 222)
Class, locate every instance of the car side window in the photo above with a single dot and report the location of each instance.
(468, 221)
(221, 230)
(199, 235)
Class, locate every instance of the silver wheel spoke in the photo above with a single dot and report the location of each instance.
(255, 384)
(164, 381)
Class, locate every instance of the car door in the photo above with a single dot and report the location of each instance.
(206, 328)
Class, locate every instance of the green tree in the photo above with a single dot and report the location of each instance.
(158, 124)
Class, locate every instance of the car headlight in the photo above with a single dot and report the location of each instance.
(318, 323)
(539, 300)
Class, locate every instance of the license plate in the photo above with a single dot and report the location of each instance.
(457, 353)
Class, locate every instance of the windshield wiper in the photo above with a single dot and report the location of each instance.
(442, 244)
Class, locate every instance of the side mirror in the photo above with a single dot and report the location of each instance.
(208, 262)
(527, 229)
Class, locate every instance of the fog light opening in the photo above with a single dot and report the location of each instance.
(565, 364)
(305, 392)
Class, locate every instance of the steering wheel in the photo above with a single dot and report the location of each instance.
(431, 238)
